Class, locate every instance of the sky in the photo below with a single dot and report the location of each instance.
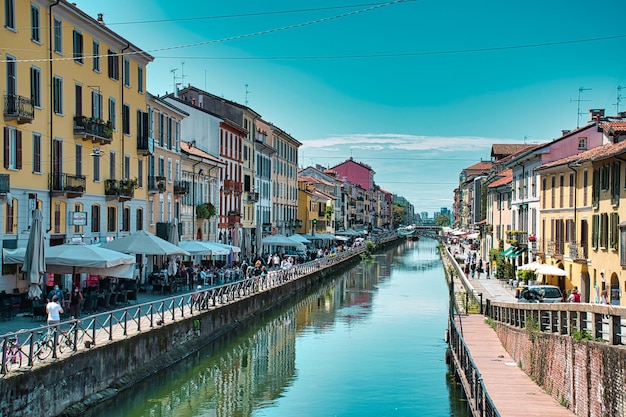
(418, 90)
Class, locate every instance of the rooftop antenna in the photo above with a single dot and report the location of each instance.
(619, 98)
(580, 90)
(182, 74)
(247, 92)
(173, 71)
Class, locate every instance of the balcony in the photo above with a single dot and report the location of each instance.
(123, 190)
(156, 184)
(181, 187)
(578, 251)
(5, 183)
(253, 197)
(70, 185)
(231, 186)
(555, 248)
(145, 145)
(18, 108)
(95, 130)
(517, 238)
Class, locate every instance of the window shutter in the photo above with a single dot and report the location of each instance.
(18, 162)
(146, 125)
(6, 147)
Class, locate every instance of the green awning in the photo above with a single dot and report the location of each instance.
(515, 252)
(508, 252)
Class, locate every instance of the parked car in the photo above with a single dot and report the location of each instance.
(540, 294)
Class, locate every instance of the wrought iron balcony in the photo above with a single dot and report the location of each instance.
(18, 108)
(578, 251)
(181, 187)
(5, 183)
(121, 189)
(71, 185)
(555, 247)
(232, 186)
(253, 197)
(95, 130)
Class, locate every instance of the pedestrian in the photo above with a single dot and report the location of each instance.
(76, 298)
(574, 297)
(54, 311)
(604, 297)
(56, 291)
(487, 269)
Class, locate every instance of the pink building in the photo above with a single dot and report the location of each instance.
(356, 173)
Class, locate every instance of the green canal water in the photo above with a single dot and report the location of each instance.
(369, 343)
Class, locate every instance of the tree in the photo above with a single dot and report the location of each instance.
(442, 220)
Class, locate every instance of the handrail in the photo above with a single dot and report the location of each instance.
(121, 323)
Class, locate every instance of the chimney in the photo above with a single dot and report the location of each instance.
(596, 115)
(100, 18)
(565, 132)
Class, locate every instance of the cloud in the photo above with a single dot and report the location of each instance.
(402, 142)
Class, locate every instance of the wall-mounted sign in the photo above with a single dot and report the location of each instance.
(79, 218)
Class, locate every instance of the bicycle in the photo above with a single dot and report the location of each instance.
(44, 346)
(13, 356)
(70, 339)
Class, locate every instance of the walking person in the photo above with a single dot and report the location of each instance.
(76, 299)
(54, 311)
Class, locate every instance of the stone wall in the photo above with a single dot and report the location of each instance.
(68, 386)
(587, 377)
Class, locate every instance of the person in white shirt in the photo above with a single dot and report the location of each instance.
(54, 310)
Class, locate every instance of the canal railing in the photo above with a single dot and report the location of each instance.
(479, 400)
(28, 348)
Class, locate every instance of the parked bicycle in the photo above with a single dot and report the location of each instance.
(67, 340)
(13, 354)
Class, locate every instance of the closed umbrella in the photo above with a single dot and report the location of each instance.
(34, 258)
(173, 238)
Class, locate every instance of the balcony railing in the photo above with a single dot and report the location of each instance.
(122, 189)
(253, 197)
(18, 108)
(232, 219)
(578, 251)
(73, 185)
(5, 183)
(555, 247)
(181, 187)
(232, 186)
(145, 145)
(93, 129)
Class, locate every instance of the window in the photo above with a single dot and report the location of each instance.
(585, 185)
(112, 112)
(114, 69)
(161, 167)
(140, 174)
(37, 153)
(96, 167)
(58, 94)
(111, 219)
(126, 119)
(10, 220)
(35, 86)
(12, 148)
(35, 30)
(582, 143)
(57, 218)
(572, 189)
(151, 211)
(12, 84)
(169, 133)
(9, 14)
(126, 72)
(79, 159)
(77, 209)
(126, 167)
(561, 189)
(112, 165)
(58, 36)
(169, 170)
(126, 219)
(96, 56)
(78, 46)
(161, 129)
(78, 100)
(140, 79)
(96, 105)
(139, 219)
(95, 218)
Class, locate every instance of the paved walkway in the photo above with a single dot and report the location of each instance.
(512, 391)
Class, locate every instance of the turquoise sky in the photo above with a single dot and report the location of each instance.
(418, 90)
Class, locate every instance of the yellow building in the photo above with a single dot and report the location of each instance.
(580, 220)
(284, 181)
(74, 102)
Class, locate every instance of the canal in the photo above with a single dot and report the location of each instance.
(368, 343)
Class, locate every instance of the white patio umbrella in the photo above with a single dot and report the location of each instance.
(546, 269)
(299, 238)
(279, 240)
(173, 238)
(145, 243)
(532, 266)
(73, 258)
(195, 247)
(34, 258)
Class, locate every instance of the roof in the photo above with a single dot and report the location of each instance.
(313, 180)
(595, 154)
(505, 149)
(192, 150)
(506, 178)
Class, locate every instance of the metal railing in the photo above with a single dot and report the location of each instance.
(478, 398)
(23, 349)
(18, 106)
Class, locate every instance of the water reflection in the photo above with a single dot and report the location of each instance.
(272, 367)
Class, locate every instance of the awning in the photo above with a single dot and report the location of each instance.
(516, 252)
(508, 252)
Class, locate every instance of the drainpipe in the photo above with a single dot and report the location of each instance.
(51, 110)
(123, 156)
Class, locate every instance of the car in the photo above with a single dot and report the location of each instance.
(540, 294)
